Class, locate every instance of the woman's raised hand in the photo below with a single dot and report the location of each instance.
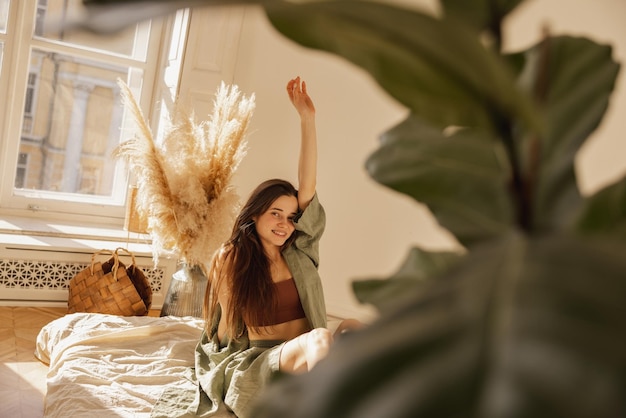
(296, 89)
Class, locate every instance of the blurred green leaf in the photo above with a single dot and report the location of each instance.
(605, 211)
(107, 17)
(461, 178)
(419, 266)
(572, 79)
(482, 14)
(522, 328)
(441, 72)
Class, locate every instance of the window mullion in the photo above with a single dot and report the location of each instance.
(16, 55)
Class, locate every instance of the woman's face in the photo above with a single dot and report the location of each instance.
(275, 225)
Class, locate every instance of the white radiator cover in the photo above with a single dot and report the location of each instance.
(39, 276)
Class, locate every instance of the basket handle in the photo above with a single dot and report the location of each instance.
(132, 256)
(116, 261)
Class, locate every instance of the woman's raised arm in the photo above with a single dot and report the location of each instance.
(307, 164)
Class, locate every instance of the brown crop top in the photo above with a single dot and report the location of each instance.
(289, 305)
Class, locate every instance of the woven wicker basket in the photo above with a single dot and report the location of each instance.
(110, 287)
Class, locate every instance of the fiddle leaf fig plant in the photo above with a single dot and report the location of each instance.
(534, 309)
(528, 321)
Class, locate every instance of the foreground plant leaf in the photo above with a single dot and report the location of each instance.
(462, 178)
(518, 329)
(482, 14)
(419, 266)
(605, 212)
(110, 16)
(441, 72)
(572, 79)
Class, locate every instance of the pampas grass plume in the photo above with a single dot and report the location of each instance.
(183, 183)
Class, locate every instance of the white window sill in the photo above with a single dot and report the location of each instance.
(57, 235)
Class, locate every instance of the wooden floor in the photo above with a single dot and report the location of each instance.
(22, 376)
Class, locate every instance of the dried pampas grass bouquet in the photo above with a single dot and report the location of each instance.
(183, 182)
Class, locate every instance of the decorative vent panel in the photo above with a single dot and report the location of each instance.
(35, 275)
(55, 275)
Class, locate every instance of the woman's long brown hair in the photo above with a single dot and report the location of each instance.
(242, 265)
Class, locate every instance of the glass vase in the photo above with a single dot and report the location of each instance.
(185, 295)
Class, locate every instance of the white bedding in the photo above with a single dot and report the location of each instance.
(111, 366)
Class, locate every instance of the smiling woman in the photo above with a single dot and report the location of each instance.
(265, 311)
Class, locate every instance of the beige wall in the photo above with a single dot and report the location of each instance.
(370, 228)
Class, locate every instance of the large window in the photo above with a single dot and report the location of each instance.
(62, 115)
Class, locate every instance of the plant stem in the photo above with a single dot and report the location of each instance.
(527, 184)
(519, 187)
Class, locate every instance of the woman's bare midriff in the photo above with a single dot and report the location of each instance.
(285, 331)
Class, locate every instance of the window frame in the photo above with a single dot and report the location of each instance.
(18, 42)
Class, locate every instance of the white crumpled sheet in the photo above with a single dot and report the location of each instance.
(111, 366)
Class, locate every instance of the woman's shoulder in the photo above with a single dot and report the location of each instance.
(312, 218)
